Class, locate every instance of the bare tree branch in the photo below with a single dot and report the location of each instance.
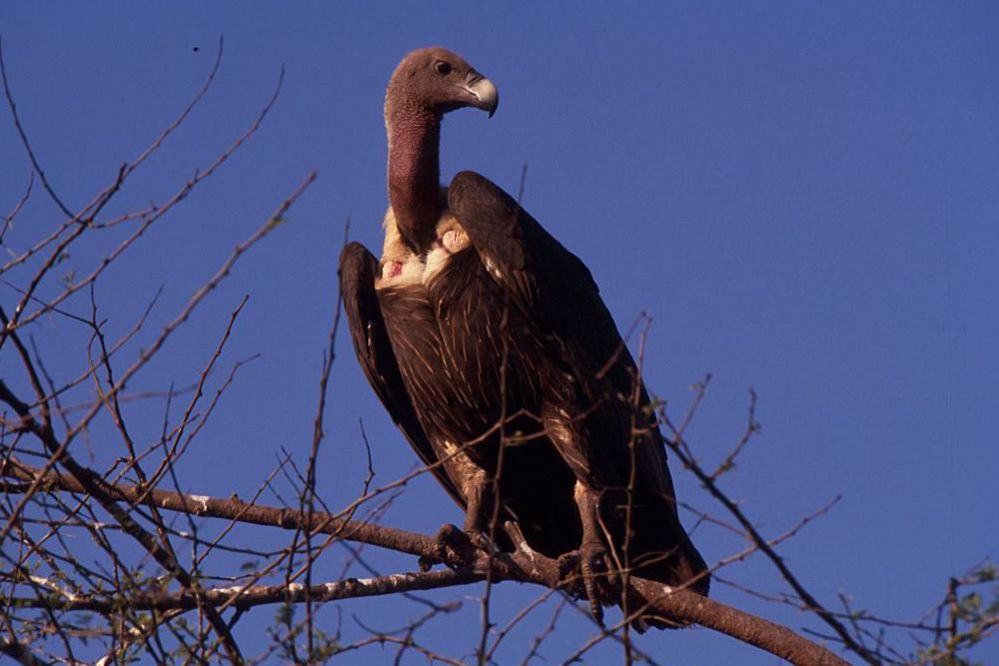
(528, 567)
(679, 446)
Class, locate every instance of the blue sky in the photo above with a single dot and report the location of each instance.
(803, 198)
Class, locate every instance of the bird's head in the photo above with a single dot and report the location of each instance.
(437, 81)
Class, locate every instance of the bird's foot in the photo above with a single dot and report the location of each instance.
(588, 573)
(451, 543)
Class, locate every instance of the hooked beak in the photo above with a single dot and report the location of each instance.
(482, 89)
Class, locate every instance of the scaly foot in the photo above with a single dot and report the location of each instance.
(587, 572)
(451, 542)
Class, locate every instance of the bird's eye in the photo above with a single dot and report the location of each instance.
(443, 68)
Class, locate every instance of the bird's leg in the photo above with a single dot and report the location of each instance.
(591, 557)
(478, 512)
(479, 509)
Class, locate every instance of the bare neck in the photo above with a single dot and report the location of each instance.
(414, 173)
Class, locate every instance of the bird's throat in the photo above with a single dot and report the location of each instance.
(414, 176)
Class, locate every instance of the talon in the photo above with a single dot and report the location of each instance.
(589, 555)
(480, 541)
(449, 536)
(452, 541)
(580, 572)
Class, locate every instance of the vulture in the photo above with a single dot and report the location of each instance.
(488, 343)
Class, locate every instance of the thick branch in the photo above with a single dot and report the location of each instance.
(522, 566)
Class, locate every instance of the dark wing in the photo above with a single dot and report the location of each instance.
(374, 351)
(553, 288)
